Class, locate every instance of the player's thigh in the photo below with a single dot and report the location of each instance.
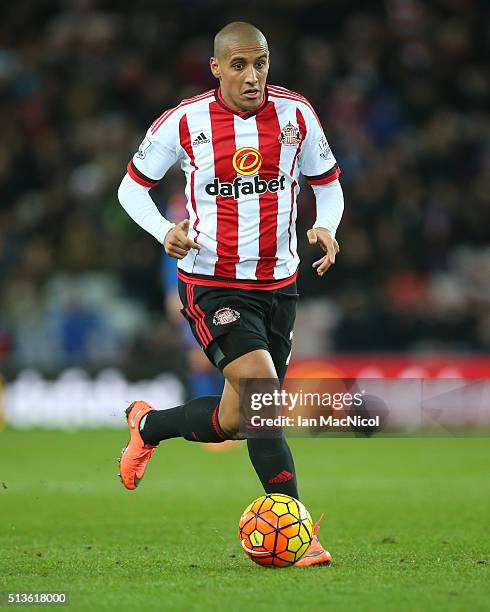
(228, 323)
(280, 331)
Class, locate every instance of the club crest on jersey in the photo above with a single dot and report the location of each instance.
(226, 315)
(290, 135)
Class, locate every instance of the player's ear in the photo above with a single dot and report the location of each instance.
(214, 65)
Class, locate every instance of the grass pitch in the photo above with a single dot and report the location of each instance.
(407, 524)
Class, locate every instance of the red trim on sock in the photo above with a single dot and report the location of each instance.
(216, 425)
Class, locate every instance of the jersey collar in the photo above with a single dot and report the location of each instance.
(241, 114)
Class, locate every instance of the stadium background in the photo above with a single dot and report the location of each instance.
(88, 318)
(403, 93)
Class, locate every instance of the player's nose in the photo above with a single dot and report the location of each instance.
(251, 76)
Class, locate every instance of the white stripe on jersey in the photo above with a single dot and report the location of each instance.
(286, 265)
(204, 262)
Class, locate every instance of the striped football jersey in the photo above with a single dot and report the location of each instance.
(242, 181)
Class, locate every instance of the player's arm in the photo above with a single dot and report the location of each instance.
(321, 171)
(329, 208)
(136, 201)
(158, 151)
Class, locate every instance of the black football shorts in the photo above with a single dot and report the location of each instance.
(229, 323)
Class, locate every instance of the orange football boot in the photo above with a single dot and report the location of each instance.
(316, 554)
(134, 458)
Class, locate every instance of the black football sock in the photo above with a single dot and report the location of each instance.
(273, 462)
(196, 420)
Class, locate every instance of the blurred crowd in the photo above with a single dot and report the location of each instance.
(403, 90)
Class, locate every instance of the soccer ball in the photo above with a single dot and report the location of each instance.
(275, 530)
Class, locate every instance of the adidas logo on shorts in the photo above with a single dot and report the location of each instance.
(201, 139)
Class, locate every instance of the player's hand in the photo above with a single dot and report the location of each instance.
(322, 236)
(176, 243)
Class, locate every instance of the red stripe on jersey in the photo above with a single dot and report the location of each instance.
(268, 129)
(296, 99)
(236, 283)
(139, 177)
(159, 120)
(273, 89)
(279, 92)
(164, 116)
(224, 147)
(199, 96)
(185, 141)
(276, 89)
(303, 130)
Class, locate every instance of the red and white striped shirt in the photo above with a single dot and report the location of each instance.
(242, 171)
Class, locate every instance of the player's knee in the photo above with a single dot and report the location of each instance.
(257, 364)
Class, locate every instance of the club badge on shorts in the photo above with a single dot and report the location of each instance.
(223, 316)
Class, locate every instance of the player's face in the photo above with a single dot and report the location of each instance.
(242, 72)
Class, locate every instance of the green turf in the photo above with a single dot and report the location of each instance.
(407, 523)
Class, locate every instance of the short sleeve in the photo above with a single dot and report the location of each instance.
(159, 150)
(317, 162)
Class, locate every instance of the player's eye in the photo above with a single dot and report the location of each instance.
(260, 65)
(237, 66)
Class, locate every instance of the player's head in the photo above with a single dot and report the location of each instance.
(241, 63)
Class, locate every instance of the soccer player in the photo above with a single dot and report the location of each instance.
(242, 147)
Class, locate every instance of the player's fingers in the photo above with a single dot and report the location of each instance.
(171, 253)
(312, 237)
(318, 262)
(329, 245)
(179, 239)
(192, 245)
(323, 267)
(331, 252)
(176, 251)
